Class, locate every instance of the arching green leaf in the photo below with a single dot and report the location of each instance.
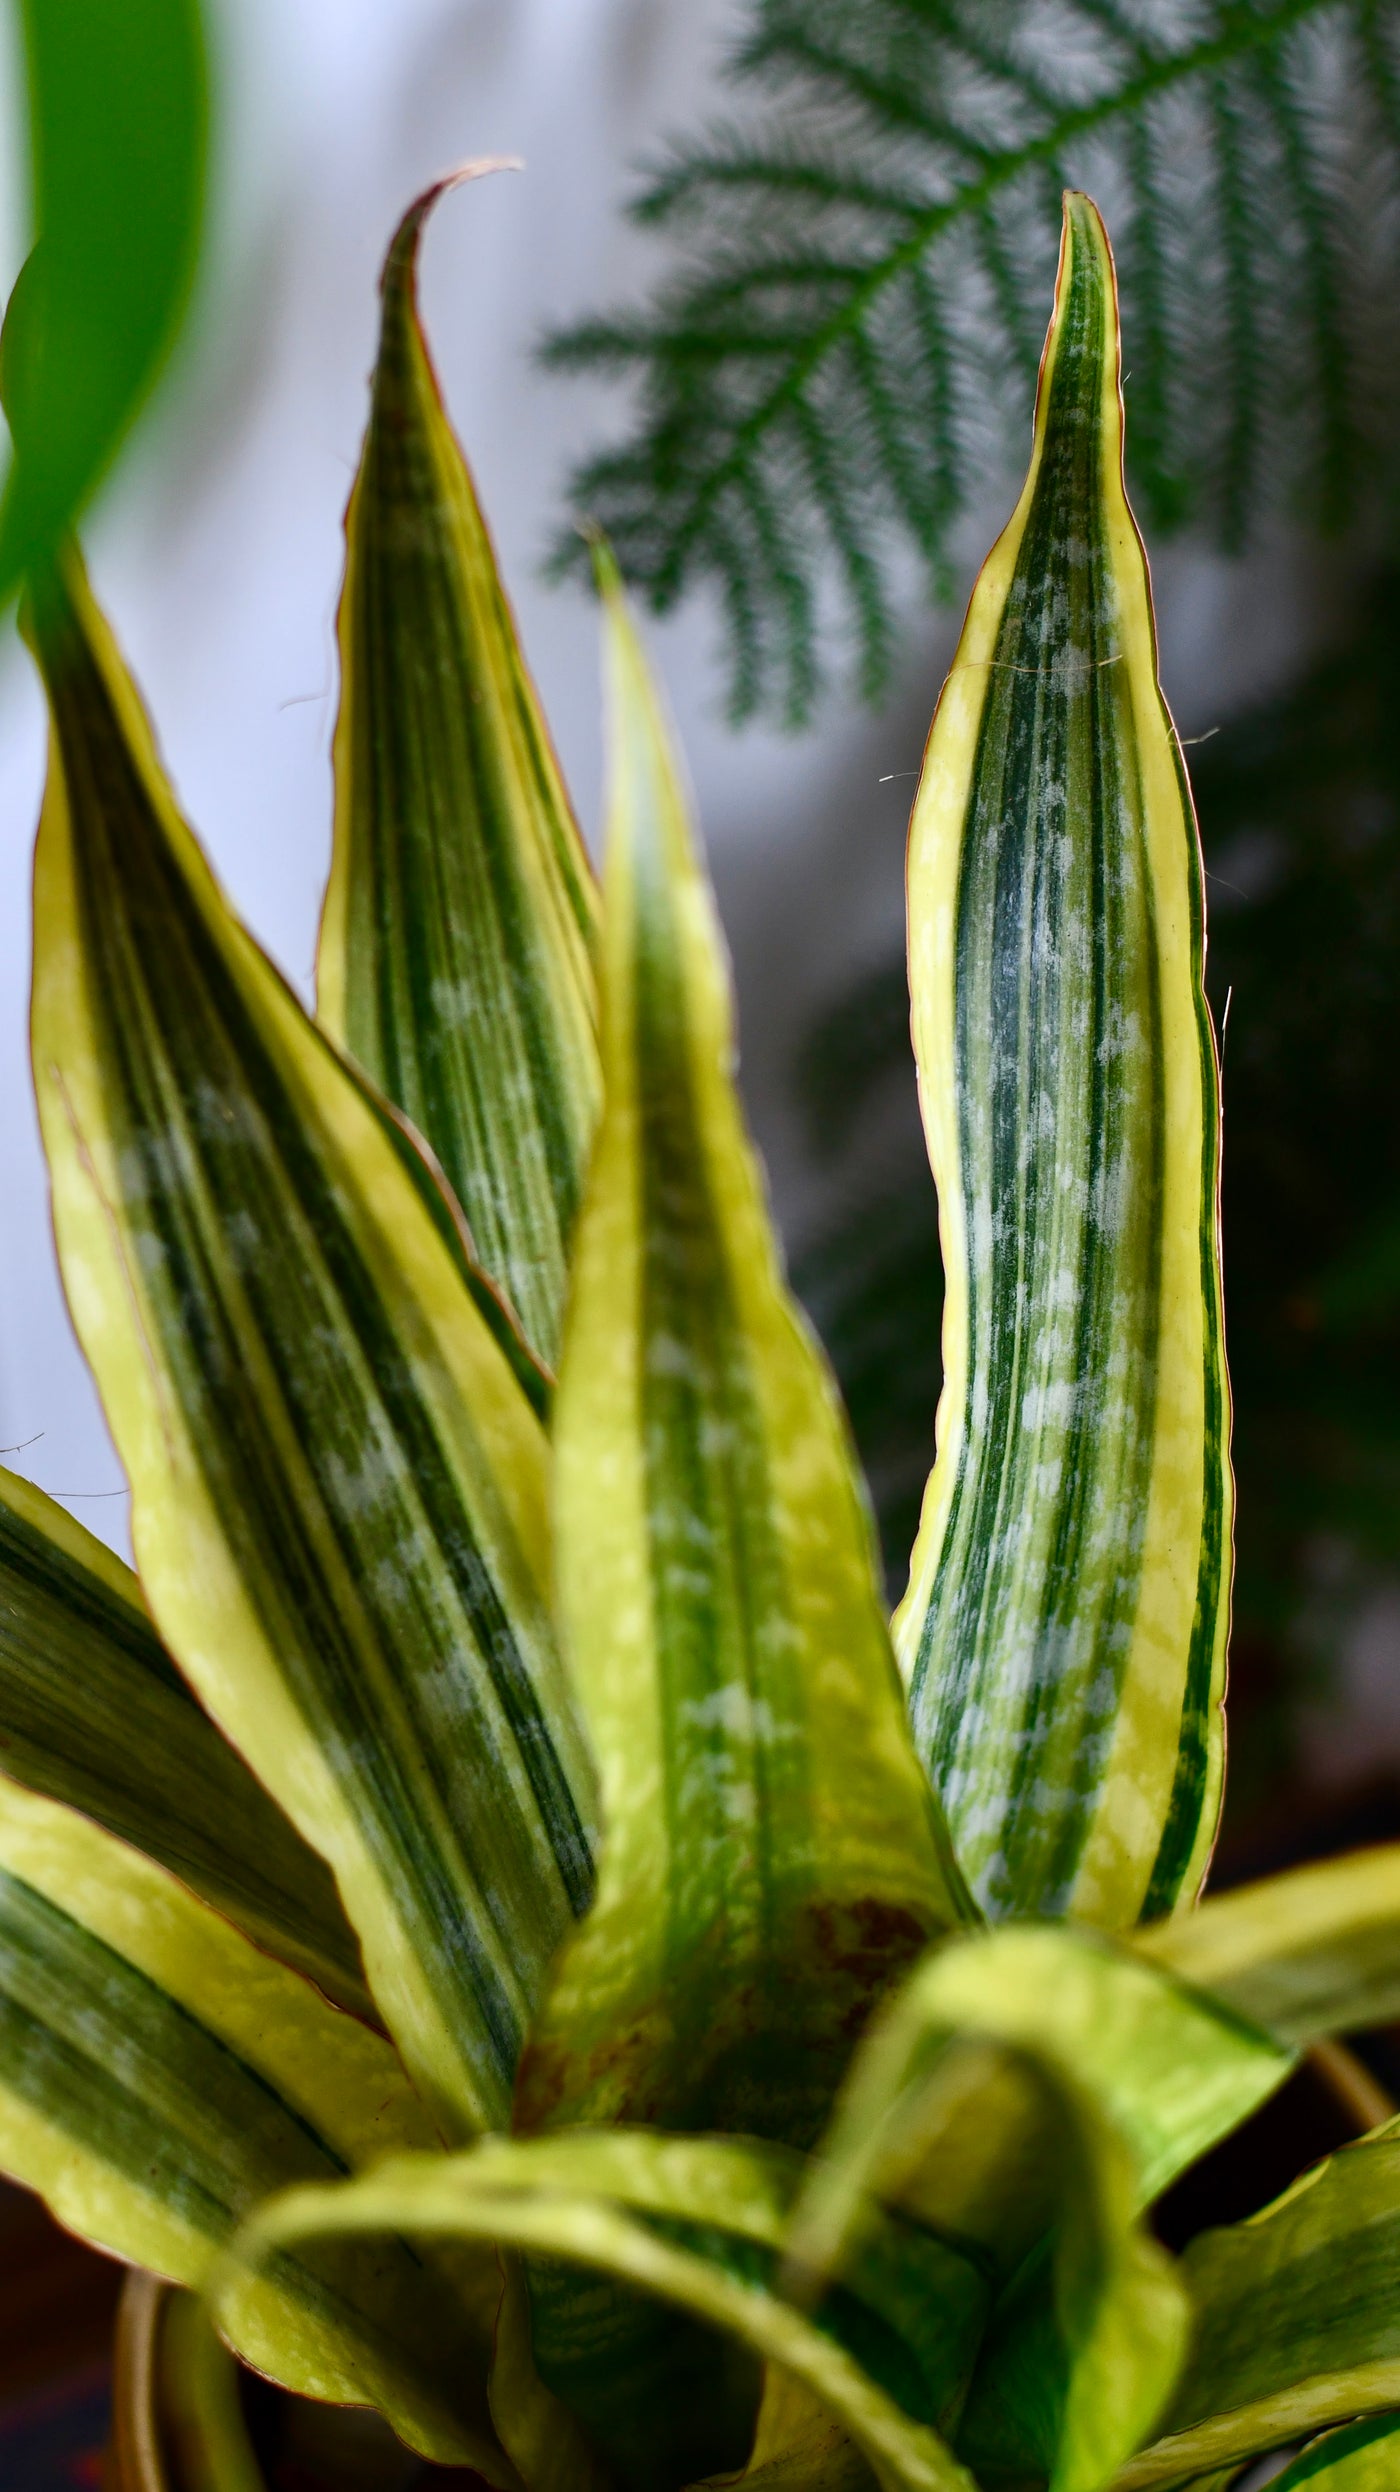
(93, 1712)
(339, 1488)
(118, 113)
(1026, 2094)
(159, 2076)
(1313, 1952)
(1065, 1625)
(937, 2116)
(1297, 2319)
(455, 949)
(697, 2223)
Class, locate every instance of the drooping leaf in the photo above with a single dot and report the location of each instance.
(773, 1856)
(93, 1713)
(907, 2305)
(943, 2114)
(696, 2222)
(1065, 1624)
(1312, 1952)
(1364, 2458)
(118, 114)
(338, 1485)
(1297, 2319)
(1026, 2093)
(159, 2076)
(455, 955)
(1082, 2350)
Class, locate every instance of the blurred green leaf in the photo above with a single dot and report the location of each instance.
(118, 131)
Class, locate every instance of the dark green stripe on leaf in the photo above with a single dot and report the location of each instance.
(455, 951)
(104, 2053)
(371, 1537)
(139, 2088)
(1065, 1624)
(94, 1713)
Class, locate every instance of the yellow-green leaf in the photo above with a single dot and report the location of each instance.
(772, 1855)
(1297, 2319)
(937, 2114)
(696, 2223)
(93, 1712)
(1065, 1625)
(159, 2077)
(338, 1487)
(1313, 1952)
(455, 957)
(1020, 2096)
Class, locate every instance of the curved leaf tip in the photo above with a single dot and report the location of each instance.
(455, 955)
(401, 257)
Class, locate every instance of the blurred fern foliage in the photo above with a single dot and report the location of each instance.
(843, 344)
(1299, 802)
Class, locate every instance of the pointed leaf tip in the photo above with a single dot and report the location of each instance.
(455, 958)
(401, 257)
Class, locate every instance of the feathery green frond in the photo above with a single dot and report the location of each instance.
(847, 337)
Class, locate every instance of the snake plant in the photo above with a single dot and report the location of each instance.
(490, 1902)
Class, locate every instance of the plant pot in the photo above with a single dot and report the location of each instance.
(295, 2442)
(136, 2461)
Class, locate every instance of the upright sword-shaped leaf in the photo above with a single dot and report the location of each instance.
(455, 957)
(338, 1486)
(773, 1855)
(1065, 1625)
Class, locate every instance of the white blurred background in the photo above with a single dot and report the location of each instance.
(217, 550)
